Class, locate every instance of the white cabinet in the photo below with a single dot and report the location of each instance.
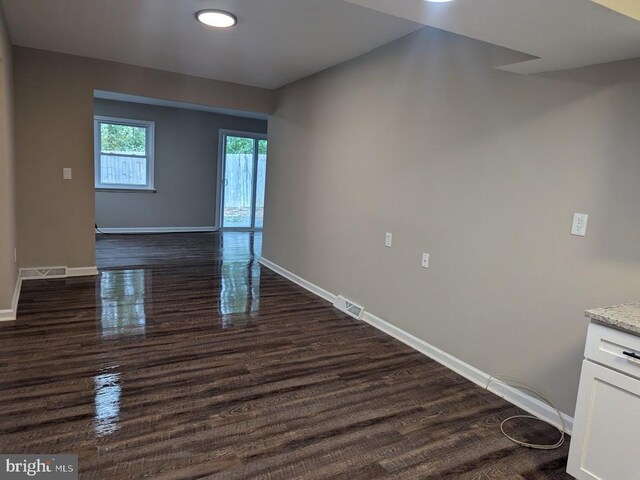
(605, 444)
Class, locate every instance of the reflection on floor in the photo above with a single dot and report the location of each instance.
(128, 251)
(123, 292)
(126, 317)
(184, 358)
(240, 277)
(107, 403)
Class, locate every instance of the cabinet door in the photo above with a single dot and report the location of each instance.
(606, 434)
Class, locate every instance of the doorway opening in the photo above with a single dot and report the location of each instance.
(158, 179)
(242, 170)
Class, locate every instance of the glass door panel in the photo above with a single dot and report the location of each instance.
(260, 182)
(239, 180)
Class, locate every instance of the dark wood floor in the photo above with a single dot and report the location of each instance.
(196, 361)
(128, 251)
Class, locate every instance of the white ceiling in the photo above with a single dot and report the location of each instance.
(275, 42)
(280, 41)
(563, 34)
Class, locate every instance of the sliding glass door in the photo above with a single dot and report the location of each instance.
(243, 169)
(261, 175)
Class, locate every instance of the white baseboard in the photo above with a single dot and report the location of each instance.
(11, 313)
(82, 271)
(141, 230)
(517, 397)
(321, 292)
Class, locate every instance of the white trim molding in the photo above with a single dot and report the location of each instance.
(39, 273)
(149, 154)
(82, 271)
(321, 292)
(12, 313)
(141, 230)
(517, 397)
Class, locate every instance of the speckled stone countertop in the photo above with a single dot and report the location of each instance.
(623, 317)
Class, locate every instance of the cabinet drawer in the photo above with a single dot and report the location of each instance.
(614, 349)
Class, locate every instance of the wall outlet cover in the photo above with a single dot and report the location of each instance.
(579, 224)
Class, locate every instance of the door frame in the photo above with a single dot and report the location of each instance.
(222, 134)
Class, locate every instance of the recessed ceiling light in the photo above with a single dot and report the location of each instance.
(216, 18)
(439, 1)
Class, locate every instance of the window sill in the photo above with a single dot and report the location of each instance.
(126, 190)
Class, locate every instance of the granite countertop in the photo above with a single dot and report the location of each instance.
(623, 317)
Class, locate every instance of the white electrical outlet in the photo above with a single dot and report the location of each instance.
(388, 239)
(579, 225)
(66, 174)
(425, 260)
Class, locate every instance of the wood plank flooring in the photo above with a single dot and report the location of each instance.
(184, 358)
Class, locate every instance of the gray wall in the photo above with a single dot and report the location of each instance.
(186, 155)
(54, 129)
(8, 267)
(481, 168)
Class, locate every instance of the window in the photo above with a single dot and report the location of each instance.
(123, 153)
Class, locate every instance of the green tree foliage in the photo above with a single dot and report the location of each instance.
(127, 139)
(239, 145)
(123, 139)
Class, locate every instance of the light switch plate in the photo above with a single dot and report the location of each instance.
(579, 225)
(66, 174)
(425, 260)
(388, 240)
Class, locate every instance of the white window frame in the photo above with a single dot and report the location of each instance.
(150, 150)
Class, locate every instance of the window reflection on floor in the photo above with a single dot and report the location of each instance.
(122, 297)
(240, 277)
(107, 400)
